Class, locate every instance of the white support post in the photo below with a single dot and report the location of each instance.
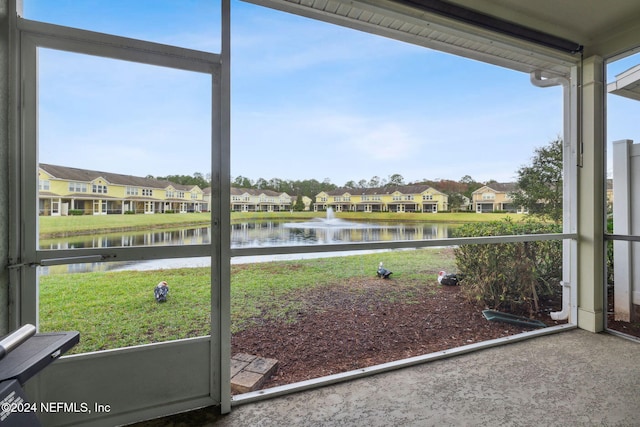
(590, 209)
(626, 221)
(622, 250)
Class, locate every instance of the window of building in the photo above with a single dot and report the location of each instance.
(77, 187)
(99, 188)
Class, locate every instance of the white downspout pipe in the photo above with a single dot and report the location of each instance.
(566, 306)
(538, 80)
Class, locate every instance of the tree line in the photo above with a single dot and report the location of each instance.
(456, 190)
(312, 187)
(539, 185)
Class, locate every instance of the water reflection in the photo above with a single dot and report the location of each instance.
(252, 234)
(243, 235)
(260, 233)
(187, 236)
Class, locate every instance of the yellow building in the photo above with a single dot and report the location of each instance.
(253, 200)
(64, 190)
(407, 198)
(609, 195)
(494, 197)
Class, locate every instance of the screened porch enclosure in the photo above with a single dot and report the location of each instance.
(127, 372)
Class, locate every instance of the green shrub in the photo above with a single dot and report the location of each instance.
(76, 212)
(509, 276)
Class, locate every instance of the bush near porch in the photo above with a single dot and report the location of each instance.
(511, 277)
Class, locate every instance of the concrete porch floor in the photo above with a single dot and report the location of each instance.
(573, 378)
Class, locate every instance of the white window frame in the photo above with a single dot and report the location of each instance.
(55, 207)
(99, 189)
(149, 207)
(77, 187)
(99, 207)
(44, 185)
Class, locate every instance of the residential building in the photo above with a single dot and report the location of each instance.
(253, 200)
(407, 198)
(307, 201)
(466, 204)
(494, 197)
(206, 197)
(64, 190)
(609, 185)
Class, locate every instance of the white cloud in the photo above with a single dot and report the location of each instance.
(352, 145)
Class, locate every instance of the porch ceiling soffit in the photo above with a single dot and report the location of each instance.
(604, 28)
(406, 22)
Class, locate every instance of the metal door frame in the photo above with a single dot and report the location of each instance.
(128, 377)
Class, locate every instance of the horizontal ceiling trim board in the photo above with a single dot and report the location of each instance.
(482, 20)
(400, 22)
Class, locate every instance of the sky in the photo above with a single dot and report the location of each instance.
(309, 100)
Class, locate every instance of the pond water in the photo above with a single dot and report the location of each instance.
(263, 233)
(246, 235)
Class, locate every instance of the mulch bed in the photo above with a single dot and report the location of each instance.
(369, 322)
(627, 328)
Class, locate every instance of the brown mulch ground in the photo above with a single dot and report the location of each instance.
(368, 322)
(627, 328)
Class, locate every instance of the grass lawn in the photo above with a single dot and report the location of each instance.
(51, 226)
(117, 309)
